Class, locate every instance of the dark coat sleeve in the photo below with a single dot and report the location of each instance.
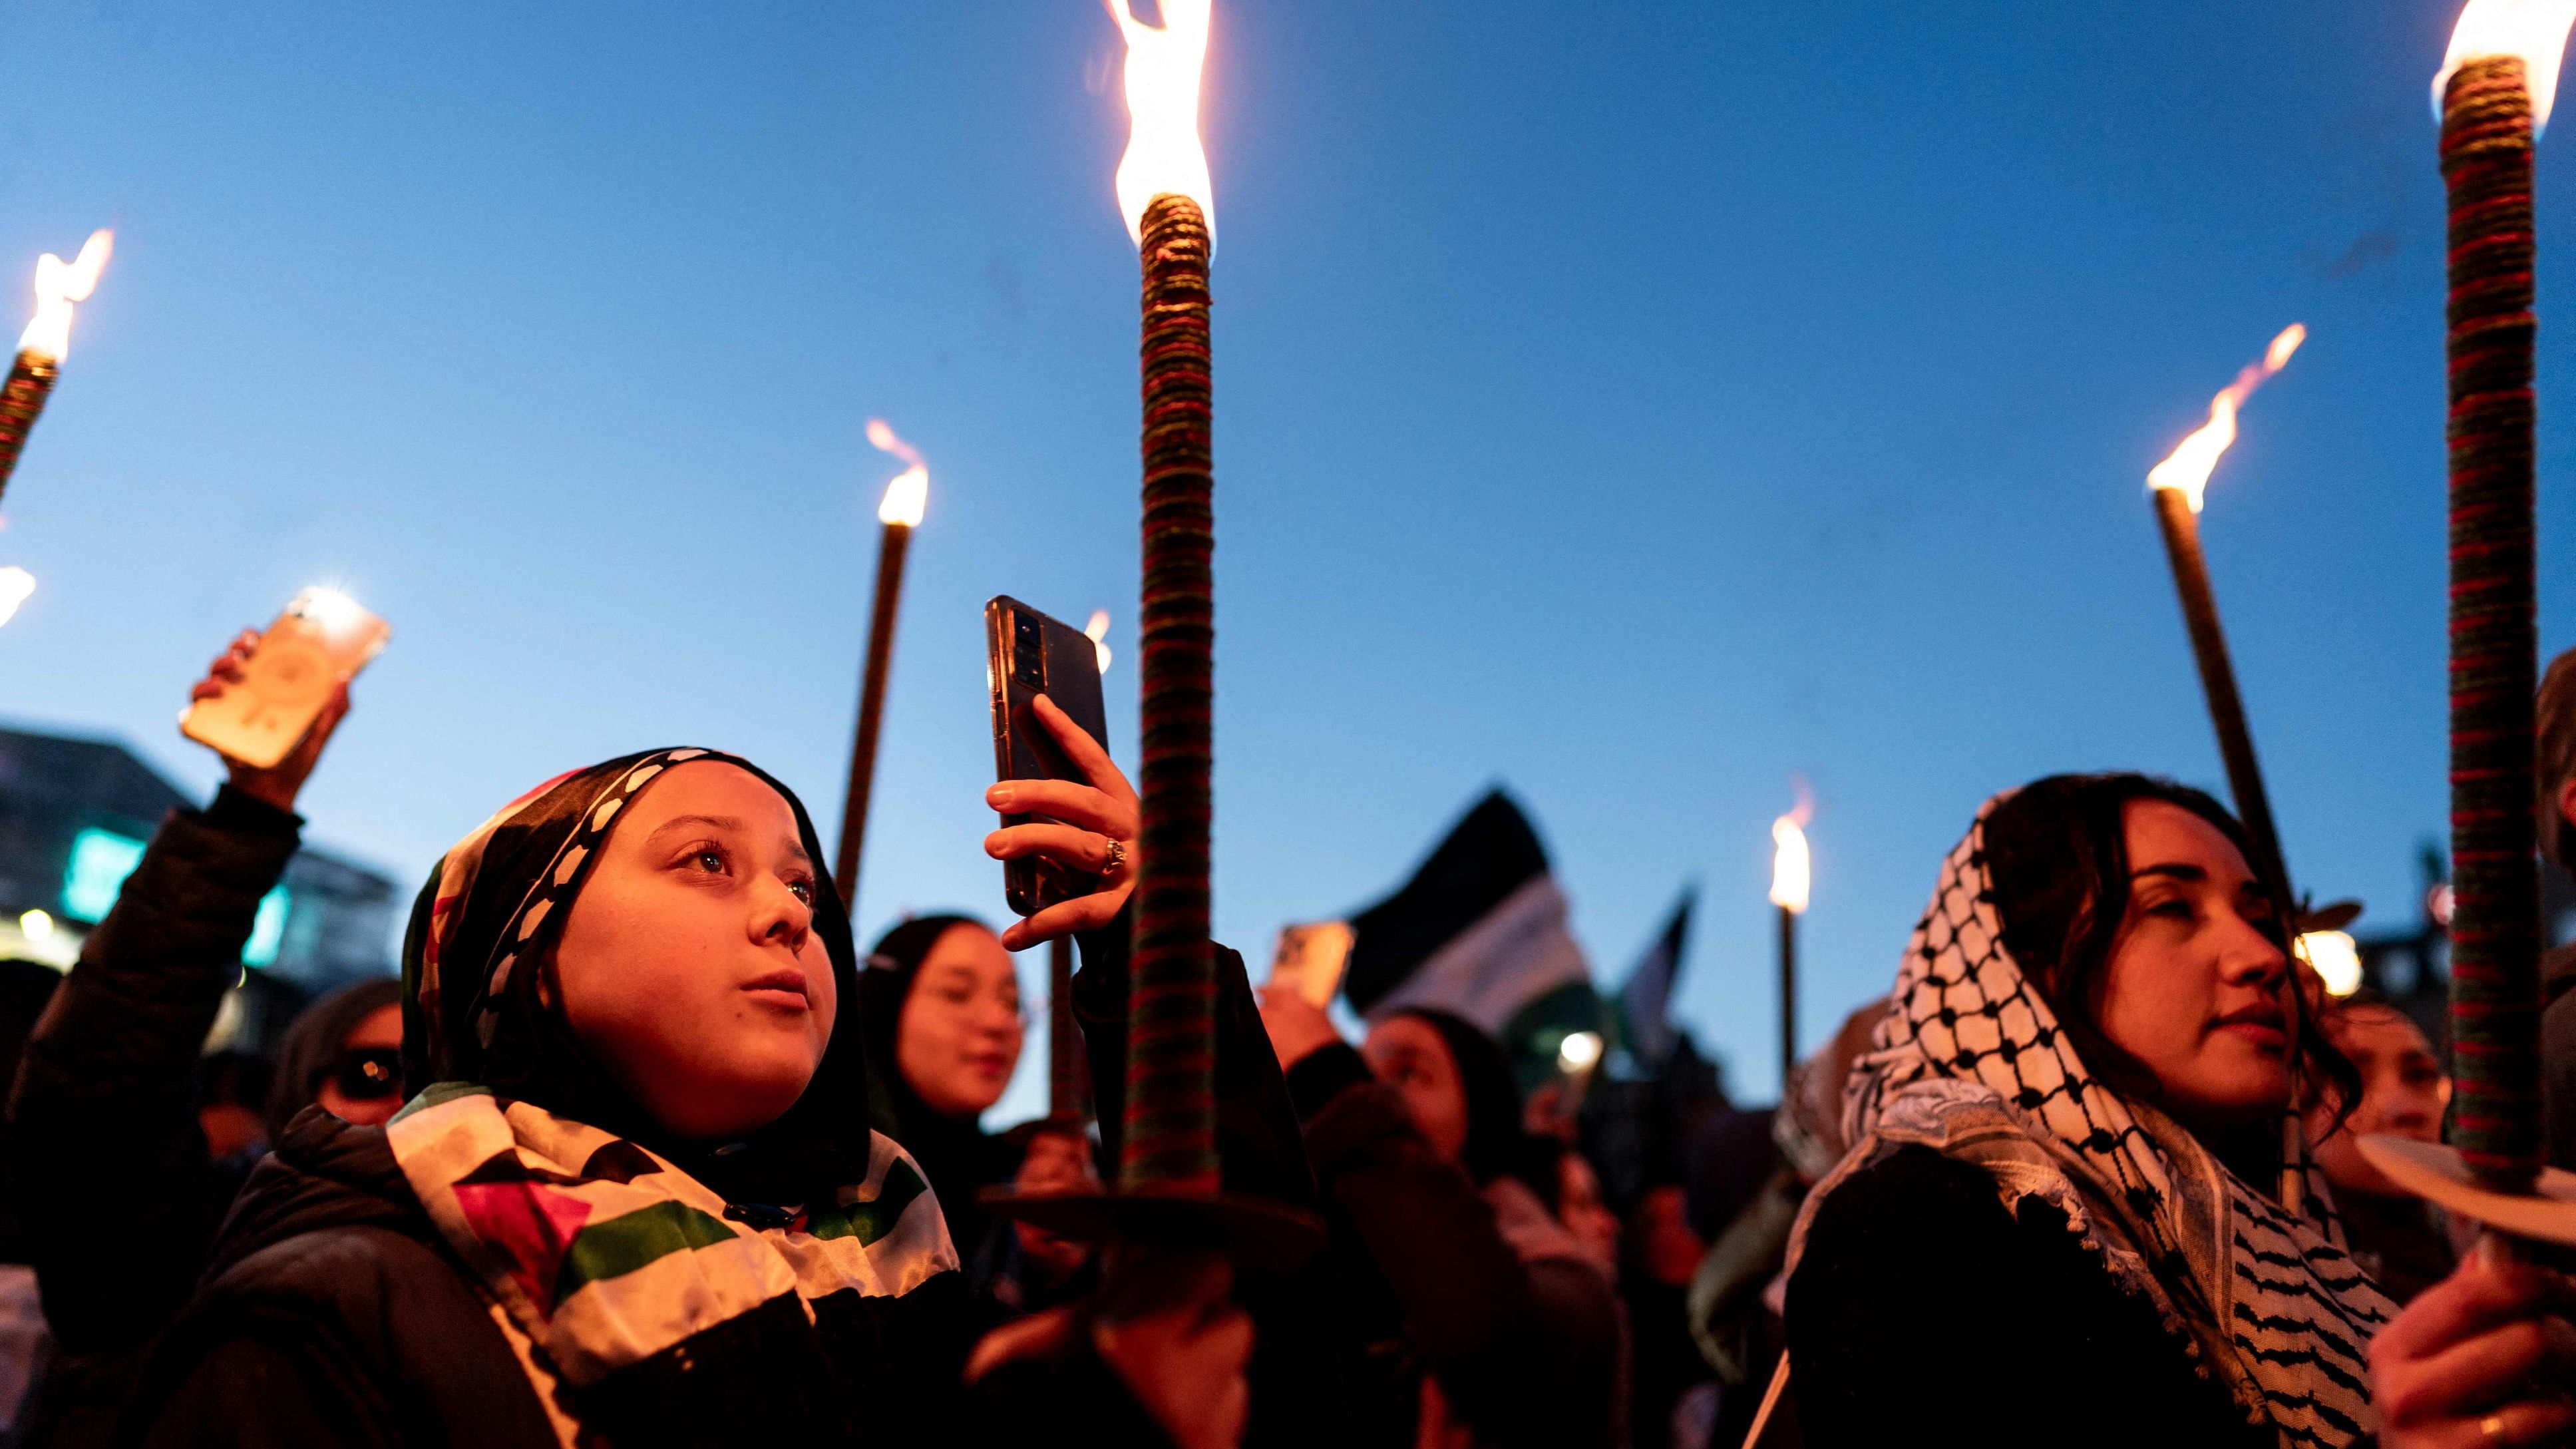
(349, 1336)
(1258, 1146)
(111, 1179)
(1527, 1353)
(1924, 1312)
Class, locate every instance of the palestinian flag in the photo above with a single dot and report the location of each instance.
(1479, 931)
(1645, 1020)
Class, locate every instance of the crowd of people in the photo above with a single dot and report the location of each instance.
(641, 1148)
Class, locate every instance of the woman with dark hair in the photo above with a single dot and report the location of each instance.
(635, 1198)
(939, 1005)
(1487, 1317)
(2058, 1217)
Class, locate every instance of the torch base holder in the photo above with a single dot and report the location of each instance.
(2439, 1176)
(1256, 1232)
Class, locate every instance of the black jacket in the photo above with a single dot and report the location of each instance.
(1525, 1352)
(334, 1315)
(1923, 1312)
(110, 1177)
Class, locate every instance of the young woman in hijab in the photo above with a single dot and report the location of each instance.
(2057, 1220)
(939, 1004)
(634, 1198)
(1414, 1138)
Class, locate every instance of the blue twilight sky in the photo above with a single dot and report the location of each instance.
(1640, 404)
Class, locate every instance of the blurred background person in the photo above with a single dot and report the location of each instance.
(25, 1343)
(114, 1182)
(343, 1053)
(1496, 1325)
(2403, 1240)
(940, 1005)
(232, 1107)
(1041, 1269)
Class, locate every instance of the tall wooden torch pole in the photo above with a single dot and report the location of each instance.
(894, 542)
(2495, 920)
(2181, 529)
(1170, 1128)
(1788, 996)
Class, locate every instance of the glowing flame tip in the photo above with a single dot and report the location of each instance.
(1791, 869)
(2187, 468)
(2533, 30)
(1162, 86)
(1097, 631)
(59, 284)
(907, 497)
(15, 585)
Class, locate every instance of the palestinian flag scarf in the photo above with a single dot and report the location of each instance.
(601, 1246)
(1970, 1061)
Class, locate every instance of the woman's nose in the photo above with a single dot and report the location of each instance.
(2251, 955)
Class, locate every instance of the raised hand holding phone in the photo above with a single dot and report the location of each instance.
(1092, 831)
(276, 685)
(279, 783)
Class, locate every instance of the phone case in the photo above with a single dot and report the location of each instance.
(1028, 654)
(322, 639)
(1310, 957)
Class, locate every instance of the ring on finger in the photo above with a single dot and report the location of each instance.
(1114, 857)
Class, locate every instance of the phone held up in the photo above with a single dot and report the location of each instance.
(323, 639)
(1028, 654)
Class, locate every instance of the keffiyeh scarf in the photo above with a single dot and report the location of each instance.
(1970, 1062)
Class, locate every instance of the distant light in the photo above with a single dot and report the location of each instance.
(268, 928)
(100, 862)
(1580, 1050)
(1098, 632)
(36, 925)
(2336, 958)
(2437, 903)
(15, 585)
(102, 859)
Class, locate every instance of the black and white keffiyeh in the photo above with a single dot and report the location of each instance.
(1970, 1061)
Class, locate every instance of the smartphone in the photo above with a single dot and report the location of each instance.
(323, 639)
(1027, 654)
(1309, 959)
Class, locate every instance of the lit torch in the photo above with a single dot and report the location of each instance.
(900, 512)
(1790, 877)
(1169, 1136)
(59, 284)
(2176, 485)
(2494, 92)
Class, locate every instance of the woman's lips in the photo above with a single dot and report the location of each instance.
(782, 988)
(2259, 1024)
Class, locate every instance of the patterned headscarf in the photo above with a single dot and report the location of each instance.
(605, 1241)
(1970, 1060)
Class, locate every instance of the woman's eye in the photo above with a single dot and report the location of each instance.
(802, 890)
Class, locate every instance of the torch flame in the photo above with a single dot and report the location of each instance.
(907, 496)
(2187, 468)
(15, 585)
(1097, 631)
(2533, 30)
(1790, 873)
(58, 285)
(2336, 958)
(1163, 150)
